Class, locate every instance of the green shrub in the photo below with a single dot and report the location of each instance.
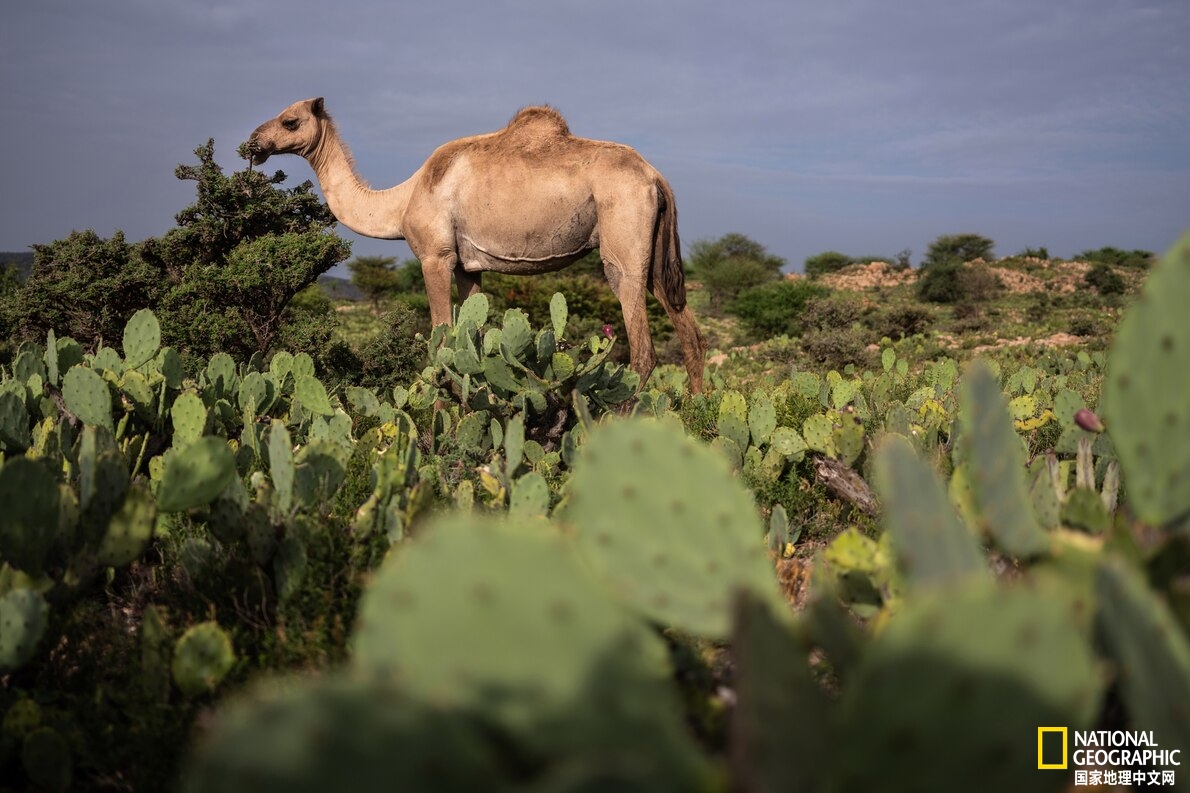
(942, 283)
(827, 262)
(1104, 279)
(836, 349)
(1134, 259)
(729, 265)
(832, 312)
(953, 282)
(776, 308)
(957, 248)
(902, 322)
(221, 281)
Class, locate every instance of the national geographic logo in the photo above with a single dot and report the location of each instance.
(1051, 747)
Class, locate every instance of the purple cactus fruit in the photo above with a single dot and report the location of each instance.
(607, 331)
(1088, 420)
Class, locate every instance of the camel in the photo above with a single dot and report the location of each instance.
(528, 199)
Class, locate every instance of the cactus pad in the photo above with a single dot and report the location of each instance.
(202, 658)
(679, 551)
(129, 530)
(1144, 395)
(1152, 652)
(87, 396)
(195, 474)
(1007, 660)
(520, 630)
(29, 519)
(46, 758)
(996, 465)
(23, 614)
(294, 737)
(932, 545)
(142, 339)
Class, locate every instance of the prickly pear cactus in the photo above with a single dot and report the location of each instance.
(294, 737)
(1144, 396)
(778, 736)
(522, 617)
(1007, 660)
(129, 530)
(526, 639)
(14, 423)
(23, 615)
(195, 474)
(202, 658)
(676, 552)
(932, 544)
(733, 419)
(189, 416)
(29, 518)
(142, 339)
(996, 466)
(46, 758)
(87, 396)
(1151, 651)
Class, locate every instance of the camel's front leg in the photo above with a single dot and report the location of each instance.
(437, 270)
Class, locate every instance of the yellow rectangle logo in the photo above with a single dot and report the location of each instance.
(1041, 763)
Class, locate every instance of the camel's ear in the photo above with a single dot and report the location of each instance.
(316, 108)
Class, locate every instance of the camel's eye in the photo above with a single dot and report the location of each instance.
(290, 124)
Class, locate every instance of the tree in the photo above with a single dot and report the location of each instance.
(1139, 259)
(729, 265)
(958, 248)
(827, 262)
(222, 280)
(375, 277)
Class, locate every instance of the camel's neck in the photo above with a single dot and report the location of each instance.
(372, 213)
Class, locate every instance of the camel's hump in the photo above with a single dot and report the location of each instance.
(541, 118)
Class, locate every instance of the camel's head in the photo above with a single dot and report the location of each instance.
(296, 130)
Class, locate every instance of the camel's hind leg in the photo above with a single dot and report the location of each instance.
(468, 283)
(694, 349)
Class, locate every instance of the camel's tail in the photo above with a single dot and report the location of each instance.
(667, 268)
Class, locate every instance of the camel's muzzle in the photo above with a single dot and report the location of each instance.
(257, 152)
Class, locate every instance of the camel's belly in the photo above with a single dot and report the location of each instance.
(539, 237)
(474, 260)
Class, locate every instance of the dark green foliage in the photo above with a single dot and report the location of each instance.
(392, 358)
(84, 287)
(838, 311)
(901, 322)
(374, 276)
(942, 283)
(729, 265)
(1035, 253)
(1136, 259)
(776, 308)
(957, 248)
(240, 307)
(221, 281)
(952, 281)
(1086, 325)
(827, 262)
(10, 278)
(836, 349)
(1104, 279)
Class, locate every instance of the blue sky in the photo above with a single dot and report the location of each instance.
(857, 125)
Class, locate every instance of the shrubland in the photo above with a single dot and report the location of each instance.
(487, 557)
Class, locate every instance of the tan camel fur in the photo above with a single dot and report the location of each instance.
(528, 199)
